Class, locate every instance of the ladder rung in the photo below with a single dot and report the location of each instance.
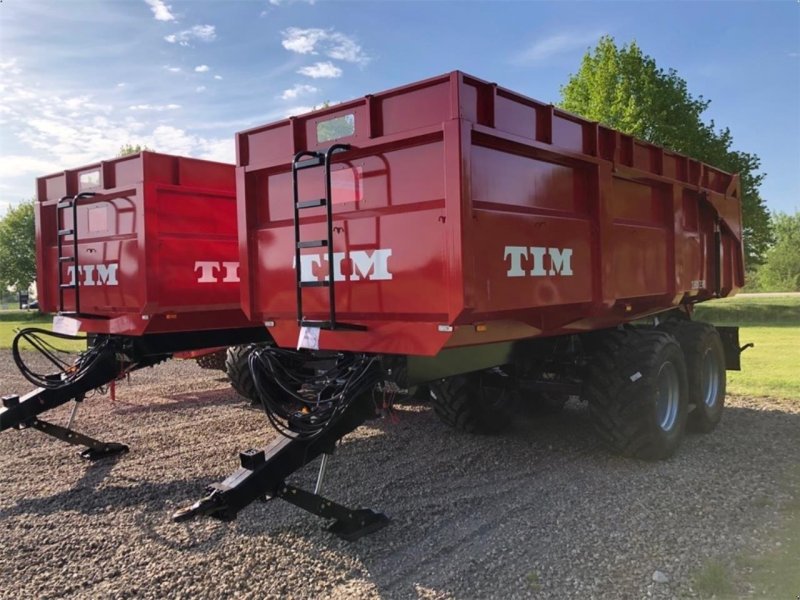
(315, 283)
(311, 203)
(307, 164)
(335, 326)
(68, 285)
(65, 204)
(63, 232)
(320, 324)
(312, 244)
(66, 258)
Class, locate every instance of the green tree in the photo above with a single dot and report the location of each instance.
(625, 89)
(781, 269)
(17, 248)
(128, 149)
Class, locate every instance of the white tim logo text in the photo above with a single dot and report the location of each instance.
(214, 271)
(373, 266)
(94, 275)
(558, 261)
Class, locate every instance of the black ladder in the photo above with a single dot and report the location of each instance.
(61, 233)
(317, 159)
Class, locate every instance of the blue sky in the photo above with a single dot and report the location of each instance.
(80, 78)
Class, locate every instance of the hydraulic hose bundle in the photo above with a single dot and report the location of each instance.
(68, 369)
(303, 395)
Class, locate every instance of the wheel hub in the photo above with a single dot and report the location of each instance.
(668, 396)
(710, 379)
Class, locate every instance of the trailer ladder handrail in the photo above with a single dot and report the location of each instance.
(317, 159)
(64, 203)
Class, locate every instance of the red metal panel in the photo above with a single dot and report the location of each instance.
(157, 246)
(492, 209)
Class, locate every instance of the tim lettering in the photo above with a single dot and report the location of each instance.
(538, 261)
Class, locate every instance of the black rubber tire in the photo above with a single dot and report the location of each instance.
(621, 389)
(237, 367)
(701, 342)
(464, 403)
(542, 404)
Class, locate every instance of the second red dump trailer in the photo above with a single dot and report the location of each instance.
(457, 234)
(141, 253)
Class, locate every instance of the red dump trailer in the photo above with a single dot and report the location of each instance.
(141, 253)
(464, 213)
(152, 239)
(503, 253)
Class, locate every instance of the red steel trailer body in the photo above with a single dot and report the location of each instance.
(465, 213)
(156, 245)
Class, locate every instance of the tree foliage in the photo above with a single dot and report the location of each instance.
(129, 149)
(334, 128)
(781, 269)
(17, 247)
(625, 89)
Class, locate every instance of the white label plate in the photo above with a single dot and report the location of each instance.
(66, 325)
(308, 338)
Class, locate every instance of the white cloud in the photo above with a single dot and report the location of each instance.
(200, 88)
(15, 164)
(160, 10)
(155, 107)
(326, 41)
(282, 2)
(201, 69)
(321, 70)
(172, 69)
(298, 110)
(300, 89)
(121, 84)
(203, 33)
(46, 130)
(10, 67)
(554, 45)
(217, 76)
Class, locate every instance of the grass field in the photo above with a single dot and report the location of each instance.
(751, 310)
(12, 321)
(772, 323)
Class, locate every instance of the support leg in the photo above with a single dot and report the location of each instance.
(350, 524)
(95, 449)
(321, 475)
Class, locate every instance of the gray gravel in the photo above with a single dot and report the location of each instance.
(541, 512)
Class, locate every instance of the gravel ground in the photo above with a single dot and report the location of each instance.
(541, 512)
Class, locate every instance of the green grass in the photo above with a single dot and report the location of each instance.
(11, 321)
(751, 310)
(534, 582)
(770, 368)
(713, 580)
(772, 323)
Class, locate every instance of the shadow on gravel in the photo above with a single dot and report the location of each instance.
(478, 512)
(202, 399)
(88, 495)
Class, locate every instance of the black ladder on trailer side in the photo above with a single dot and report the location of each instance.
(61, 233)
(317, 159)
